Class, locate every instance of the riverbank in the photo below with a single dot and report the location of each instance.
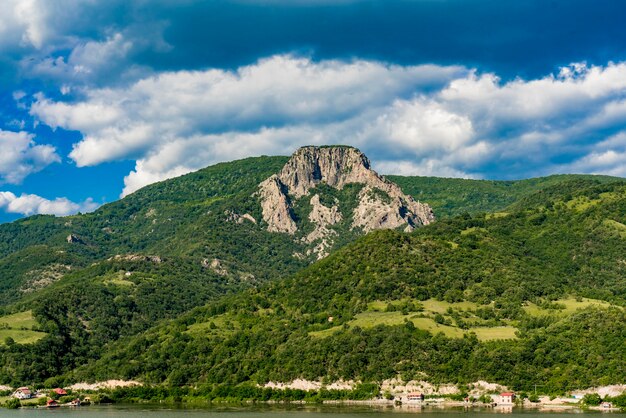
(363, 394)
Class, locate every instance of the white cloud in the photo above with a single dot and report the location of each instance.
(30, 204)
(88, 61)
(423, 126)
(426, 167)
(23, 22)
(121, 123)
(607, 157)
(415, 119)
(21, 156)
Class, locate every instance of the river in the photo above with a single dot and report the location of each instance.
(135, 411)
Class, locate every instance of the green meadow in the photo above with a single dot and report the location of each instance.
(19, 327)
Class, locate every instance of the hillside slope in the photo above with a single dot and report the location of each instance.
(433, 305)
(93, 279)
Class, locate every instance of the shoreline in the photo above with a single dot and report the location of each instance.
(389, 406)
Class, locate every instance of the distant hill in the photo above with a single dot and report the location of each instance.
(451, 197)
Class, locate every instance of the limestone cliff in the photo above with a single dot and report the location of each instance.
(381, 203)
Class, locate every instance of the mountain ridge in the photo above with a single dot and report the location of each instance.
(106, 289)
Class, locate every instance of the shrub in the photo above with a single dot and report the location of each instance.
(12, 403)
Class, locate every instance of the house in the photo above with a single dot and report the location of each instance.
(52, 403)
(23, 393)
(415, 397)
(59, 391)
(507, 398)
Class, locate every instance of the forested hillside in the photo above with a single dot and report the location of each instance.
(533, 295)
(185, 272)
(451, 197)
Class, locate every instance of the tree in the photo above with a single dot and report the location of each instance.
(592, 399)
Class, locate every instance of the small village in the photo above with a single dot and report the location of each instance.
(502, 402)
(54, 398)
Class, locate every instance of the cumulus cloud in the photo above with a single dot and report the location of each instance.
(23, 22)
(90, 61)
(428, 120)
(21, 156)
(607, 157)
(31, 204)
(34, 24)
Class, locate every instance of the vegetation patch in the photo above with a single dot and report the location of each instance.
(563, 307)
(494, 333)
(9, 336)
(615, 226)
(368, 320)
(218, 325)
(18, 329)
(20, 320)
(441, 306)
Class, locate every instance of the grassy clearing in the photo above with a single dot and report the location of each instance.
(21, 336)
(494, 333)
(472, 230)
(118, 279)
(618, 227)
(18, 321)
(440, 306)
(570, 305)
(373, 319)
(496, 215)
(218, 325)
(431, 305)
(18, 326)
(581, 204)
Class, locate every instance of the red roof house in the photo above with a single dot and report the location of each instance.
(415, 396)
(23, 393)
(52, 403)
(507, 398)
(59, 391)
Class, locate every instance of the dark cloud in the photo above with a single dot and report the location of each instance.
(526, 38)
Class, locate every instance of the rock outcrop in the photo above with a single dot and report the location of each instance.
(276, 206)
(73, 239)
(335, 166)
(382, 204)
(322, 217)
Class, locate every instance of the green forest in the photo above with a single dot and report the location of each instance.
(521, 283)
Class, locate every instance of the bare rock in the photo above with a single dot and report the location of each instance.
(276, 206)
(235, 217)
(136, 257)
(335, 166)
(73, 239)
(217, 266)
(388, 208)
(382, 204)
(323, 217)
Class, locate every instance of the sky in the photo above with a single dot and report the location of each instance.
(100, 98)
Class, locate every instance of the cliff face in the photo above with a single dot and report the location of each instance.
(335, 166)
(381, 203)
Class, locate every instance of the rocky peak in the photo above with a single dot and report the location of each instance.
(335, 166)
(382, 204)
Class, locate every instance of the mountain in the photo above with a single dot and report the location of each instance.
(373, 202)
(534, 295)
(172, 246)
(296, 238)
(216, 221)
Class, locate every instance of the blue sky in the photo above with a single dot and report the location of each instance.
(99, 98)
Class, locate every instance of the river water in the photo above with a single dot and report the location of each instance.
(134, 411)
